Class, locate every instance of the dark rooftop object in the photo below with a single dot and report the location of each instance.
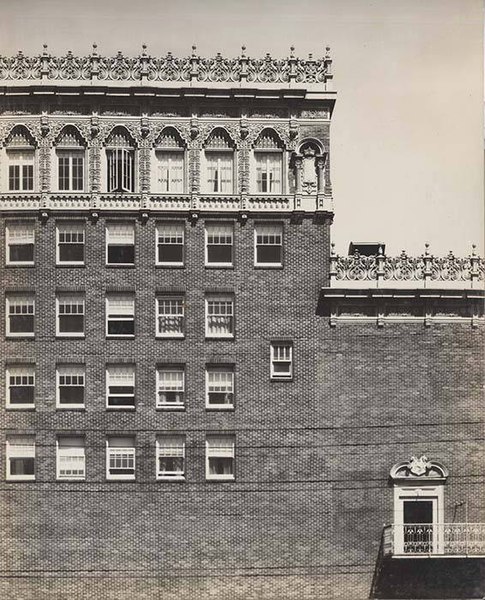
(367, 248)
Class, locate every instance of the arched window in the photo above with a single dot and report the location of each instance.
(170, 162)
(20, 148)
(70, 149)
(120, 154)
(219, 156)
(268, 157)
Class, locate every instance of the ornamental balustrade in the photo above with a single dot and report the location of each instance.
(147, 68)
(382, 271)
(435, 539)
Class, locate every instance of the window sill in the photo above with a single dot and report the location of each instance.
(281, 379)
(74, 407)
(27, 407)
(220, 407)
(169, 265)
(121, 408)
(121, 479)
(178, 478)
(228, 266)
(66, 265)
(121, 337)
(159, 336)
(19, 265)
(20, 479)
(72, 479)
(220, 337)
(274, 266)
(20, 336)
(120, 266)
(70, 336)
(174, 407)
(221, 478)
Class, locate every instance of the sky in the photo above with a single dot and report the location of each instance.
(407, 131)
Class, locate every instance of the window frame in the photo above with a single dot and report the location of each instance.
(24, 370)
(109, 243)
(70, 371)
(268, 265)
(267, 152)
(167, 224)
(177, 475)
(229, 369)
(81, 300)
(80, 226)
(214, 476)
(21, 163)
(278, 376)
(19, 263)
(9, 454)
(60, 452)
(9, 298)
(70, 153)
(129, 450)
(170, 298)
(128, 318)
(129, 370)
(162, 153)
(123, 168)
(180, 405)
(214, 225)
(219, 298)
(209, 154)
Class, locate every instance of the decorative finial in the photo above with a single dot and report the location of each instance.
(474, 247)
(194, 48)
(380, 251)
(143, 48)
(292, 51)
(426, 249)
(243, 51)
(332, 249)
(45, 48)
(327, 52)
(310, 56)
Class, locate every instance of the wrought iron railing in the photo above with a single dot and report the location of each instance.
(442, 539)
(417, 271)
(169, 68)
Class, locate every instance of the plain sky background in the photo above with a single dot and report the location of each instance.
(407, 132)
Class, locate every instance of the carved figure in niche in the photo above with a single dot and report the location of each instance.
(309, 183)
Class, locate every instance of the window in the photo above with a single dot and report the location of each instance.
(120, 243)
(120, 458)
(219, 317)
(281, 360)
(20, 158)
(120, 386)
(70, 170)
(71, 458)
(120, 315)
(219, 155)
(20, 386)
(70, 315)
(220, 387)
(269, 245)
(20, 316)
(70, 386)
(20, 457)
(218, 243)
(170, 244)
(268, 172)
(170, 387)
(170, 317)
(20, 243)
(70, 243)
(220, 457)
(120, 154)
(169, 170)
(170, 457)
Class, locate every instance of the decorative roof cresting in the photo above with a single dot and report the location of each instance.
(146, 68)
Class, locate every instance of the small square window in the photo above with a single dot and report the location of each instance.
(220, 457)
(170, 387)
(170, 316)
(120, 244)
(20, 458)
(70, 315)
(120, 458)
(171, 457)
(281, 360)
(219, 388)
(219, 321)
(219, 244)
(20, 316)
(170, 244)
(120, 315)
(120, 386)
(268, 245)
(70, 386)
(71, 458)
(70, 244)
(20, 386)
(20, 239)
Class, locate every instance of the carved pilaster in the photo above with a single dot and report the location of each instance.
(298, 162)
(94, 149)
(44, 155)
(320, 164)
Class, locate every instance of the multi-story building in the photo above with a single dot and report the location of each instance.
(201, 399)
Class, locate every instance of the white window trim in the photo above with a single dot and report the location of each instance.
(159, 475)
(59, 368)
(19, 263)
(23, 334)
(107, 244)
(165, 263)
(174, 335)
(268, 265)
(107, 315)
(70, 334)
(254, 166)
(129, 150)
(9, 162)
(170, 405)
(214, 477)
(156, 184)
(213, 369)
(81, 151)
(69, 262)
(131, 368)
(29, 453)
(279, 376)
(29, 370)
(59, 452)
(120, 477)
(205, 169)
(222, 298)
(207, 227)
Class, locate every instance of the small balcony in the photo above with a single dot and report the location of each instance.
(421, 540)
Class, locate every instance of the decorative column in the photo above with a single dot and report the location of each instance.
(94, 150)
(194, 175)
(144, 162)
(44, 164)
